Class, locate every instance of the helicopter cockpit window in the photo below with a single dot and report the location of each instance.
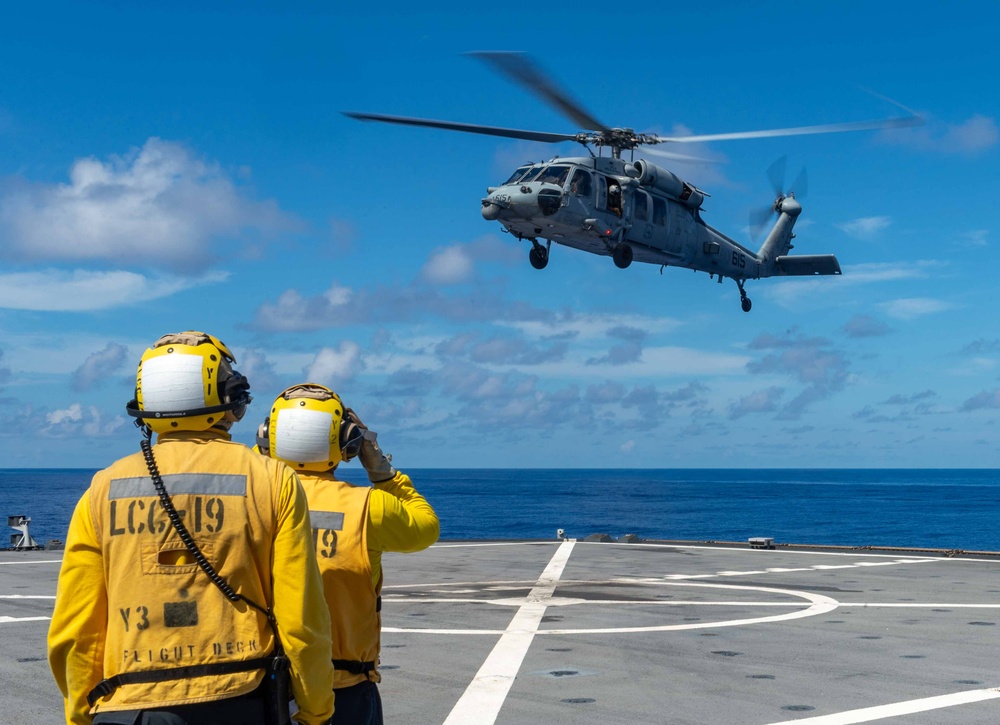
(659, 212)
(555, 174)
(641, 206)
(516, 176)
(582, 185)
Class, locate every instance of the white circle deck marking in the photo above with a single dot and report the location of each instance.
(817, 604)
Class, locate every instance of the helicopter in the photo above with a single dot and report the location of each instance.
(633, 210)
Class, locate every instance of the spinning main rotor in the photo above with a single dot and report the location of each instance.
(520, 69)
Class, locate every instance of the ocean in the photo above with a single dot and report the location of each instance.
(941, 509)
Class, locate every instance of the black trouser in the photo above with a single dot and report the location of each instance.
(358, 704)
(246, 710)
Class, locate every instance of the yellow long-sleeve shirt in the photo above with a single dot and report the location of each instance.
(354, 525)
(129, 599)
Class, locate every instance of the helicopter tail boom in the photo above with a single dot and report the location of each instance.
(774, 252)
(779, 239)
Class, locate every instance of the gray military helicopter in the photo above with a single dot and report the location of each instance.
(633, 210)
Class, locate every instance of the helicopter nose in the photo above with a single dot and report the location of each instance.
(491, 210)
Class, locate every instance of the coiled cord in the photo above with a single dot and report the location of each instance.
(189, 542)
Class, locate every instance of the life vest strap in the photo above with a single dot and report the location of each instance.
(107, 686)
(355, 667)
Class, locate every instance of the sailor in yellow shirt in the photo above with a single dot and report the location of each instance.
(140, 634)
(310, 429)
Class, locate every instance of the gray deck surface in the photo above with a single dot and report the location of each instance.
(653, 632)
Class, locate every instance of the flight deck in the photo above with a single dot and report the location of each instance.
(574, 631)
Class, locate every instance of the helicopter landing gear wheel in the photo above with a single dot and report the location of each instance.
(745, 302)
(538, 256)
(622, 254)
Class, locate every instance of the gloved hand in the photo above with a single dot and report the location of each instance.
(376, 463)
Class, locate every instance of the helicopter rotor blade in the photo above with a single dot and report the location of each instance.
(519, 68)
(759, 219)
(680, 157)
(466, 127)
(800, 187)
(776, 175)
(913, 120)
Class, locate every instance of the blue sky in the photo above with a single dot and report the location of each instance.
(176, 169)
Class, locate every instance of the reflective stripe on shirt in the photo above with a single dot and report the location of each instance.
(219, 484)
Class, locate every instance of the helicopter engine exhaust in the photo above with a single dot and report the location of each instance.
(648, 174)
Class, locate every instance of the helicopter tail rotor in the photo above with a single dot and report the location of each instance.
(759, 218)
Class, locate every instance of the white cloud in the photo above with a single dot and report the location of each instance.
(292, 311)
(861, 326)
(761, 401)
(976, 238)
(592, 326)
(657, 362)
(448, 265)
(258, 369)
(157, 205)
(865, 227)
(77, 420)
(913, 307)
(100, 366)
(791, 292)
(885, 272)
(331, 367)
(967, 138)
(83, 291)
(985, 399)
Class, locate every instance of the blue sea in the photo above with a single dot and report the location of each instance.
(941, 509)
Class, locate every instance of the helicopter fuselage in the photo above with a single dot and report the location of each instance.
(596, 203)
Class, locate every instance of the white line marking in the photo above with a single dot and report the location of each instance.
(919, 605)
(513, 583)
(26, 596)
(909, 707)
(911, 558)
(500, 543)
(568, 601)
(481, 702)
(739, 573)
(781, 552)
(780, 570)
(8, 620)
(43, 561)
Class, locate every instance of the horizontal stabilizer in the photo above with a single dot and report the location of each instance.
(801, 265)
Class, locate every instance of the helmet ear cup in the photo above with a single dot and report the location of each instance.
(235, 389)
(263, 436)
(351, 437)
